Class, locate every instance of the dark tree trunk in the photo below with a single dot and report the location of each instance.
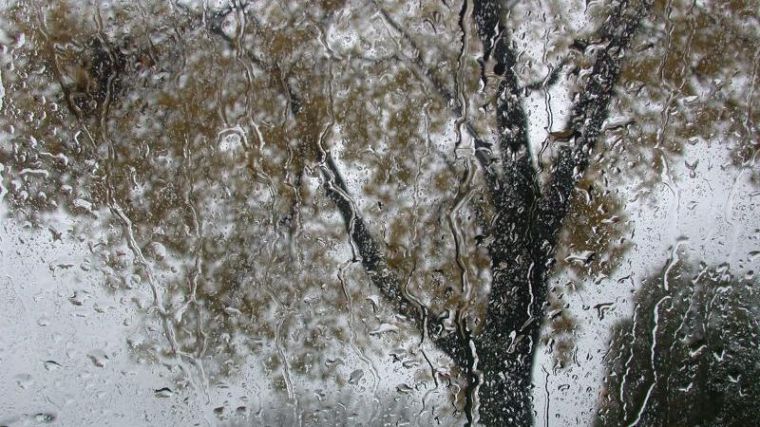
(528, 222)
(499, 355)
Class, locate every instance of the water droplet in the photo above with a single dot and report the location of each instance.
(410, 363)
(24, 380)
(77, 299)
(164, 392)
(384, 328)
(404, 388)
(602, 308)
(157, 251)
(355, 377)
(98, 357)
(52, 365)
(44, 417)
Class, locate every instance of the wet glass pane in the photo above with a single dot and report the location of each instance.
(360, 212)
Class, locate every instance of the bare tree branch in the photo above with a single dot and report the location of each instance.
(591, 109)
(375, 264)
(483, 148)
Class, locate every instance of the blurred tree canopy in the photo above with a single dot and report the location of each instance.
(690, 353)
(292, 180)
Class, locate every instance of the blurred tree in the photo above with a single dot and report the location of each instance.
(690, 353)
(209, 146)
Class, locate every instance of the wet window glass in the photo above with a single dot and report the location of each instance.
(361, 212)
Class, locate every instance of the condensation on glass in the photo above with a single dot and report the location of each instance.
(355, 212)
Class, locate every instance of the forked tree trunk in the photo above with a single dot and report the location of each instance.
(499, 355)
